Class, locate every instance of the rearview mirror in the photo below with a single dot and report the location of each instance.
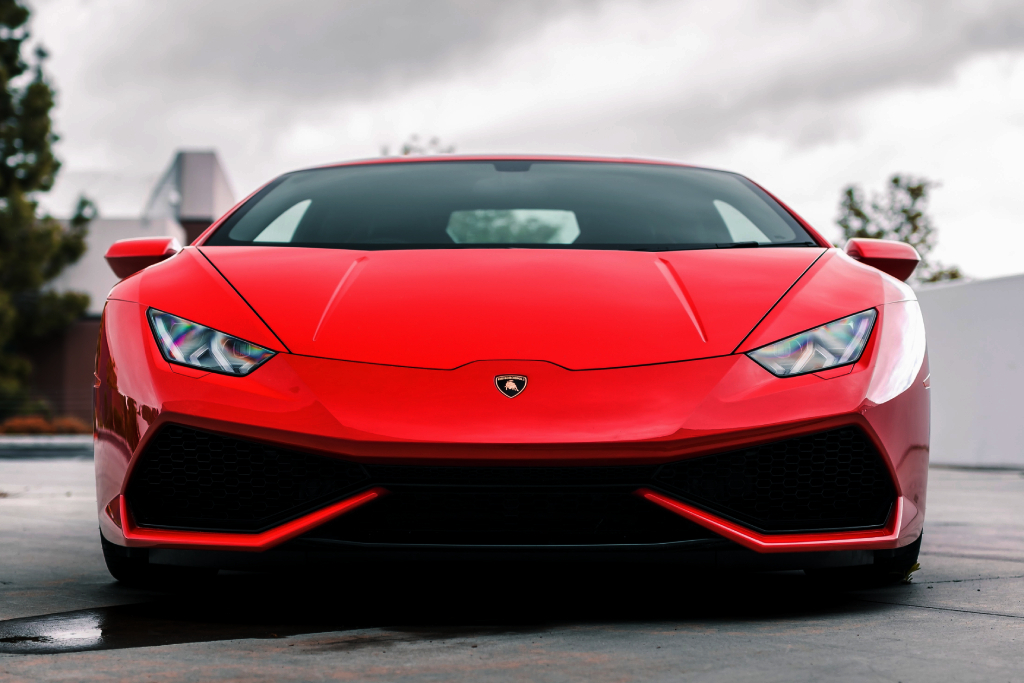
(126, 257)
(898, 259)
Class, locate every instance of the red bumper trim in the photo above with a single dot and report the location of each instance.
(874, 539)
(138, 537)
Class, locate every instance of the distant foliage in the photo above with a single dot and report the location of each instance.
(898, 213)
(34, 249)
(414, 147)
(37, 424)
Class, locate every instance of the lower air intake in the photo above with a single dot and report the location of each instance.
(511, 517)
(828, 481)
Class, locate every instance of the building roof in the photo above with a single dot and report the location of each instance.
(193, 188)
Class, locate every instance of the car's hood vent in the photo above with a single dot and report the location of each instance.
(444, 308)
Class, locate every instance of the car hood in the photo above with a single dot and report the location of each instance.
(581, 309)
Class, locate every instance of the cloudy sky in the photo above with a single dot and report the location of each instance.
(804, 96)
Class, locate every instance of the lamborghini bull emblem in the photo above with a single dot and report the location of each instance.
(510, 385)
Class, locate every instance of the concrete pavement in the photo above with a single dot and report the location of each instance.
(62, 618)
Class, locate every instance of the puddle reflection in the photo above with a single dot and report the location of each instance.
(72, 631)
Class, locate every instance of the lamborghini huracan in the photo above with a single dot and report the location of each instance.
(511, 357)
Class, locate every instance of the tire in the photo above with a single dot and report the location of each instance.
(131, 567)
(890, 567)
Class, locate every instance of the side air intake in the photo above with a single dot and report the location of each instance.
(191, 479)
(826, 481)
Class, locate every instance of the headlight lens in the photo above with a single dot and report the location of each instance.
(187, 343)
(838, 343)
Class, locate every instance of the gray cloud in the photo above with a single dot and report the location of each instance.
(314, 50)
(905, 43)
(805, 96)
(321, 50)
(144, 78)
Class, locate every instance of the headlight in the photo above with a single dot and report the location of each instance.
(829, 346)
(187, 343)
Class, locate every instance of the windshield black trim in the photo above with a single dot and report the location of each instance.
(573, 247)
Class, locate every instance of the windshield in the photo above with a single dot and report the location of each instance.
(531, 204)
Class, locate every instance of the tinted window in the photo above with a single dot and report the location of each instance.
(541, 204)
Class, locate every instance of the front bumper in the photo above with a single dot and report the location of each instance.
(375, 415)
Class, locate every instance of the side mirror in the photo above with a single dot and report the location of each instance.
(127, 257)
(895, 258)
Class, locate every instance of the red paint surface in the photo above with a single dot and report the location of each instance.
(445, 308)
(834, 287)
(126, 257)
(188, 286)
(898, 259)
(480, 313)
(375, 413)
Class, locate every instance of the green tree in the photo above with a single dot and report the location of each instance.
(34, 248)
(898, 213)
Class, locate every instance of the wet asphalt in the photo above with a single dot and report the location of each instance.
(63, 618)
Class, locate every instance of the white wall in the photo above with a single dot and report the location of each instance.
(976, 348)
(91, 274)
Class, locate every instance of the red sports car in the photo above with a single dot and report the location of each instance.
(511, 357)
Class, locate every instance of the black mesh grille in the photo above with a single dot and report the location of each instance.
(190, 479)
(829, 480)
